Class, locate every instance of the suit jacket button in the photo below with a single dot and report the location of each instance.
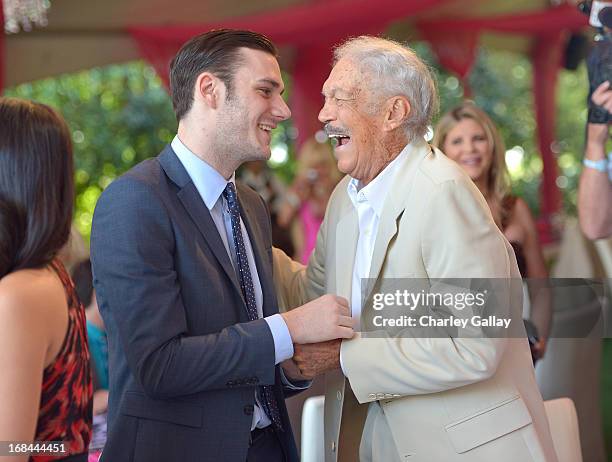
(248, 409)
(230, 383)
(372, 396)
(339, 395)
(333, 446)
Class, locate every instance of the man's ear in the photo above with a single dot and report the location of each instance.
(397, 111)
(208, 89)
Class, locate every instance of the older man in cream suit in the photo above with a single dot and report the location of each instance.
(406, 211)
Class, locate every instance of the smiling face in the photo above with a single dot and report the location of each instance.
(467, 144)
(255, 106)
(347, 119)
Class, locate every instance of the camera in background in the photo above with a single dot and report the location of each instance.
(599, 61)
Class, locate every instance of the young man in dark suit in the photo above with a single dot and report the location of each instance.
(183, 273)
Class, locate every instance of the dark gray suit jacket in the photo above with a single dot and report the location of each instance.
(184, 360)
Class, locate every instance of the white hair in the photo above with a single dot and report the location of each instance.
(396, 70)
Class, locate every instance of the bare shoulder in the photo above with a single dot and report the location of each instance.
(522, 213)
(31, 295)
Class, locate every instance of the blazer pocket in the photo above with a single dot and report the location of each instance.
(139, 405)
(496, 421)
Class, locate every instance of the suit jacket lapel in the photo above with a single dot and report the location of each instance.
(347, 232)
(387, 229)
(197, 210)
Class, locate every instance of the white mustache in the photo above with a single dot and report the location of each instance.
(331, 130)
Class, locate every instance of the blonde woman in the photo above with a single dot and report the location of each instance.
(469, 137)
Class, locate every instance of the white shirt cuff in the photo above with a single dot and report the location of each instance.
(297, 386)
(283, 345)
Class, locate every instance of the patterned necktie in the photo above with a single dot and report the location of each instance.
(246, 284)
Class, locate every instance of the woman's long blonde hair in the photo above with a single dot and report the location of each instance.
(498, 182)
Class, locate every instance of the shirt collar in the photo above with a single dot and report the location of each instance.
(375, 192)
(209, 182)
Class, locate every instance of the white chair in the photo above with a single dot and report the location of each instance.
(313, 437)
(563, 423)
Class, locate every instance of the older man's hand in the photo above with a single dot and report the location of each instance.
(292, 372)
(316, 358)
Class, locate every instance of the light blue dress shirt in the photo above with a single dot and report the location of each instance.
(210, 185)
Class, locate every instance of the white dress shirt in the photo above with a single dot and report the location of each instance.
(369, 202)
(210, 185)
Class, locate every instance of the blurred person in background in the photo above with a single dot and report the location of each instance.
(595, 191)
(45, 386)
(317, 175)
(261, 179)
(468, 136)
(74, 251)
(98, 348)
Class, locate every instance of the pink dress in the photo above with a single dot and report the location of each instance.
(310, 227)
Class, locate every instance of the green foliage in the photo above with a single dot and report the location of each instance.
(571, 119)
(283, 138)
(118, 115)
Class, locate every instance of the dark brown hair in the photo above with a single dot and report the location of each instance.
(36, 184)
(217, 52)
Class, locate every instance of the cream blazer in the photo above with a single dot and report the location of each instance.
(422, 399)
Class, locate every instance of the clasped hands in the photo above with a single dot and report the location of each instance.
(317, 329)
